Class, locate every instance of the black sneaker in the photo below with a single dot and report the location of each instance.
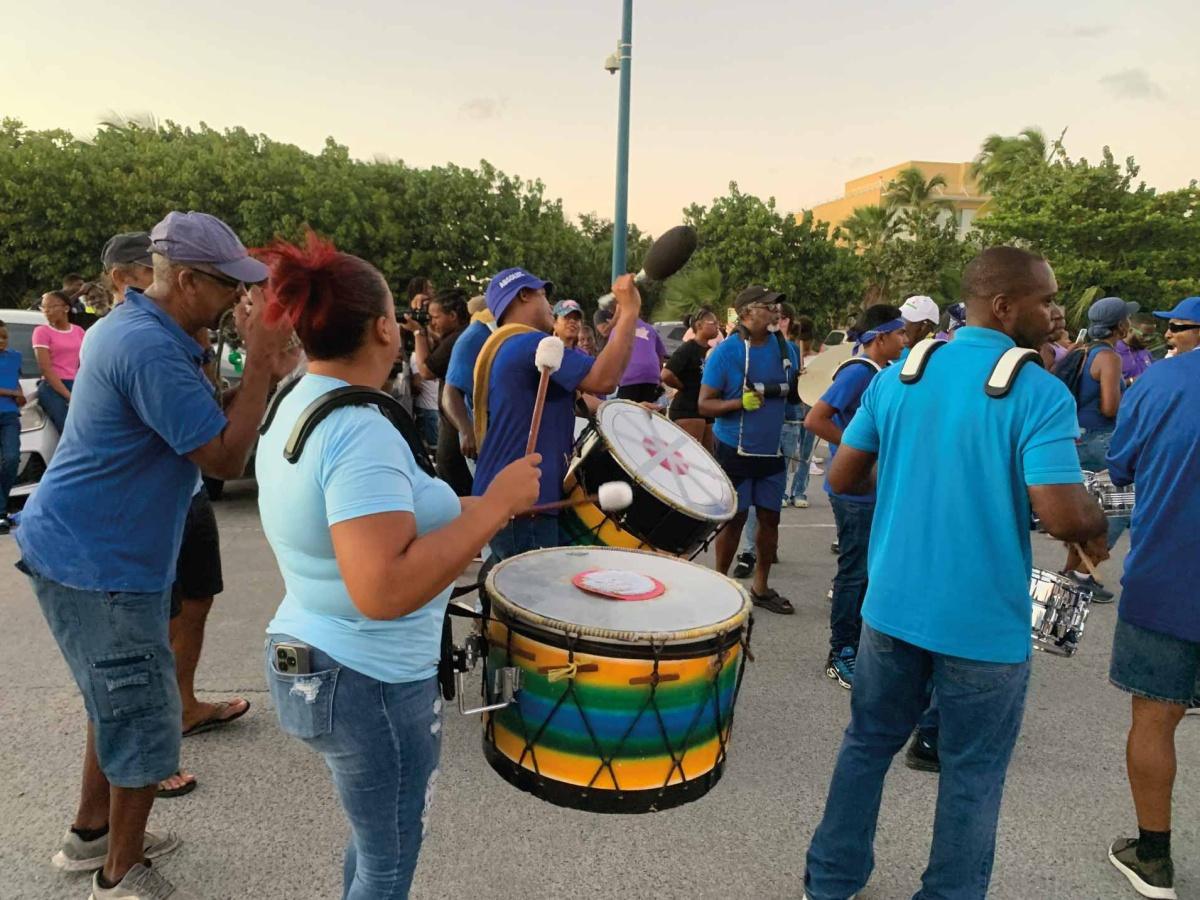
(1154, 878)
(5, 524)
(745, 565)
(840, 666)
(835, 548)
(1100, 594)
(922, 754)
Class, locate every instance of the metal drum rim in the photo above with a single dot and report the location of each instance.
(521, 614)
(648, 485)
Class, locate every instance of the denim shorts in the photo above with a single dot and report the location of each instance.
(119, 653)
(1154, 665)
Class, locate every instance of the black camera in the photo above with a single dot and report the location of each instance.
(420, 316)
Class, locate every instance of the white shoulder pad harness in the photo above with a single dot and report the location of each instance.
(856, 361)
(1000, 382)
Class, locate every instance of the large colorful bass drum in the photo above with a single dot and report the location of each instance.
(630, 668)
(681, 496)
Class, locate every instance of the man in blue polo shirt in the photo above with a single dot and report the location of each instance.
(516, 297)
(964, 626)
(100, 537)
(747, 381)
(1156, 646)
(882, 335)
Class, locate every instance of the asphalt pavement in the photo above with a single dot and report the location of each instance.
(264, 821)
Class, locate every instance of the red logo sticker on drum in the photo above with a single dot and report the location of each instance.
(619, 584)
(654, 445)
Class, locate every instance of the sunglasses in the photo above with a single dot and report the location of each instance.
(231, 283)
(1176, 327)
(769, 307)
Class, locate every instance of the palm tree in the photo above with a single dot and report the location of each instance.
(1001, 159)
(693, 287)
(869, 227)
(910, 189)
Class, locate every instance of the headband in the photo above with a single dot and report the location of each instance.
(886, 328)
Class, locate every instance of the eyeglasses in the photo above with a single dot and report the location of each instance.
(233, 284)
(1176, 327)
(769, 307)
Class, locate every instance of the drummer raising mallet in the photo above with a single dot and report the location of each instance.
(511, 368)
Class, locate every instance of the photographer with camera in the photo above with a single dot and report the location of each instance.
(747, 381)
(425, 384)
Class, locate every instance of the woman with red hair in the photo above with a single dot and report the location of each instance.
(369, 543)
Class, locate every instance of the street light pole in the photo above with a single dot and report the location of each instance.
(621, 212)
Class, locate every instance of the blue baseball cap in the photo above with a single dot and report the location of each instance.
(506, 284)
(566, 308)
(196, 237)
(1187, 309)
(1110, 312)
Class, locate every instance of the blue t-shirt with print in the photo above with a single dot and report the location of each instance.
(10, 379)
(109, 512)
(972, 542)
(355, 464)
(512, 388)
(844, 395)
(1157, 444)
(461, 371)
(726, 371)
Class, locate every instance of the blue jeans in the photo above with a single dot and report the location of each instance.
(798, 444)
(850, 584)
(524, 534)
(980, 707)
(427, 422)
(54, 404)
(119, 654)
(1093, 457)
(382, 743)
(10, 455)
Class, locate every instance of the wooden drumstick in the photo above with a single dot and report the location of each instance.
(548, 358)
(1087, 560)
(613, 496)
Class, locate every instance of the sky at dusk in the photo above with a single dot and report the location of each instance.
(789, 99)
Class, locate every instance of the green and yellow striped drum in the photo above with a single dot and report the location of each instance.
(630, 668)
(681, 496)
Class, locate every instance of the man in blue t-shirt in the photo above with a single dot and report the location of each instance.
(458, 388)
(964, 627)
(881, 334)
(516, 297)
(100, 537)
(1156, 646)
(12, 398)
(748, 379)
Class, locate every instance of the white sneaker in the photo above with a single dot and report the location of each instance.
(817, 459)
(800, 503)
(140, 883)
(78, 855)
(814, 469)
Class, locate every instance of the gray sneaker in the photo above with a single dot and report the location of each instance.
(78, 855)
(1153, 878)
(140, 883)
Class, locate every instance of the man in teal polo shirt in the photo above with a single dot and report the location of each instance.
(965, 626)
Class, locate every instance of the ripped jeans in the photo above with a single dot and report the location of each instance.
(381, 742)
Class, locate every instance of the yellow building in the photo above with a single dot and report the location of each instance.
(961, 189)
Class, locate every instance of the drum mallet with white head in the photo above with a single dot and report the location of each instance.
(548, 359)
(613, 496)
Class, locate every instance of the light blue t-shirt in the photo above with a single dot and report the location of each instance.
(109, 513)
(726, 371)
(354, 464)
(954, 465)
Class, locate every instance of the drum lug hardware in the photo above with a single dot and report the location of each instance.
(506, 684)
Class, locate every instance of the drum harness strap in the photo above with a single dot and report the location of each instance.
(1000, 381)
(786, 388)
(483, 374)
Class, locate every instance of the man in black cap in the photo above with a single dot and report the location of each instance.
(127, 263)
(99, 538)
(745, 388)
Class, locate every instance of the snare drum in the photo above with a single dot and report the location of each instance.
(680, 494)
(1115, 501)
(1060, 610)
(630, 667)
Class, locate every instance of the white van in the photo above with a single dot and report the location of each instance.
(39, 437)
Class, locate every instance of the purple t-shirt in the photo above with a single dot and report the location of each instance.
(645, 363)
(1133, 362)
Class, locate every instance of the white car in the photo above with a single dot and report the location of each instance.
(39, 437)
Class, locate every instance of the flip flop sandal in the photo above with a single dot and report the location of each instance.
(773, 602)
(187, 788)
(219, 720)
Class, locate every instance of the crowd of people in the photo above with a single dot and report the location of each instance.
(371, 517)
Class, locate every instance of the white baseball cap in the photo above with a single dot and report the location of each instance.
(920, 309)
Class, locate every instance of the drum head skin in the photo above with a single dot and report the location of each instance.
(668, 461)
(539, 588)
